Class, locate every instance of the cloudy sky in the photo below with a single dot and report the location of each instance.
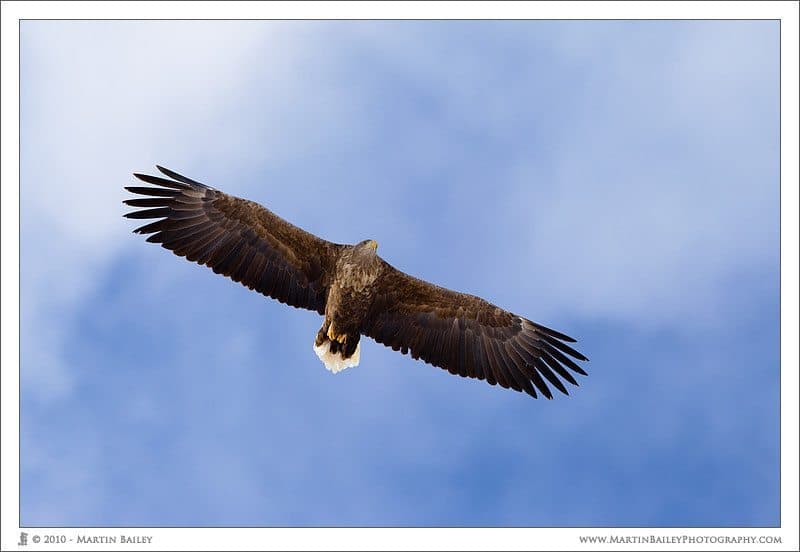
(615, 180)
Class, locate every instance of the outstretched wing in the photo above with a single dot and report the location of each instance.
(469, 336)
(237, 238)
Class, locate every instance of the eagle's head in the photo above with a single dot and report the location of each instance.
(367, 246)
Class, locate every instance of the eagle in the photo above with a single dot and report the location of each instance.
(356, 291)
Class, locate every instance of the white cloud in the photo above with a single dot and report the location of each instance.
(100, 100)
(665, 185)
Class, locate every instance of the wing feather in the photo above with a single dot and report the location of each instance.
(469, 336)
(235, 237)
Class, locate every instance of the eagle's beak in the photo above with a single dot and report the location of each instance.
(373, 244)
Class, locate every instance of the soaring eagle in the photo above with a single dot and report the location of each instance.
(356, 290)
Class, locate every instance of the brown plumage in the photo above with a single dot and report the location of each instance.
(358, 292)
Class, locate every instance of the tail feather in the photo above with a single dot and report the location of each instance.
(335, 362)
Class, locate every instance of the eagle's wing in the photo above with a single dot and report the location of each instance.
(468, 336)
(237, 238)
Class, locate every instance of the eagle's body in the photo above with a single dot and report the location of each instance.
(357, 292)
(349, 298)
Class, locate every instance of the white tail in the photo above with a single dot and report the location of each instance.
(334, 361)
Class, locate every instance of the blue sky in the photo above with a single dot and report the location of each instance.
(617, 181)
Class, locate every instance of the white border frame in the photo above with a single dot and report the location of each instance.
(405, 539)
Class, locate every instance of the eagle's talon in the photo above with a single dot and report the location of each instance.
(333, 336)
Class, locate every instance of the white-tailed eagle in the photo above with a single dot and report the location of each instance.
(357, 291)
